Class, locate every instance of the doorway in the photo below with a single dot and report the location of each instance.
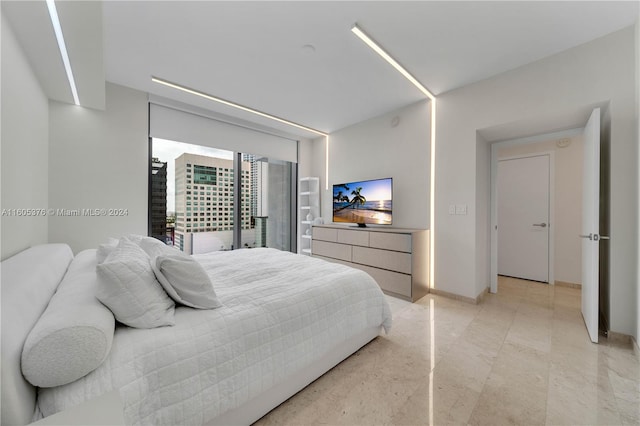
(594, 282)
(565, 151)
(525, 235)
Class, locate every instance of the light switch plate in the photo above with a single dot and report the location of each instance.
(461, 209)
(452, 209)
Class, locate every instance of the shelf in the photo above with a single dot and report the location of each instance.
(309, 206)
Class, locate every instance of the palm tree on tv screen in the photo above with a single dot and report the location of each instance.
(357, 197)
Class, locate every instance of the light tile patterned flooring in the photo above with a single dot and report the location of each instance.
(521, 357)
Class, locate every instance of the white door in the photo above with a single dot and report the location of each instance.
(591, 224)
(523, 217)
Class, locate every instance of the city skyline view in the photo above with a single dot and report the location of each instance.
(167, 151)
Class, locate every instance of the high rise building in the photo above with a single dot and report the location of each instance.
(204, 198)
(158, 199)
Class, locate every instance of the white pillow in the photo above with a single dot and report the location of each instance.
(184, 279)
(154, 247)
(136, 238)
(74, 334)
(127, 286)
(105, 249)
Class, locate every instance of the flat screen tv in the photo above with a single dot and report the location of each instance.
(364, 202)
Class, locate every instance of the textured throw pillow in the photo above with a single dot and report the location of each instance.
(184, 279)
(154, 247)
(128, 286)
(74, 334)
(105, 249)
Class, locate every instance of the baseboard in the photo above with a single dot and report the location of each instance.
(567, 284)
(466, 299)
(620, 338)
(636, 348)
(482, 295)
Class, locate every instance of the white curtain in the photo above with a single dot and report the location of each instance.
(180, 125)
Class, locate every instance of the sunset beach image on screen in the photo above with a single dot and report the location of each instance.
(364, 202)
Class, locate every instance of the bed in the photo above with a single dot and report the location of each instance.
(285, 320)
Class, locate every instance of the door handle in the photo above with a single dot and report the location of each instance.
(595, 237)
(542, 225)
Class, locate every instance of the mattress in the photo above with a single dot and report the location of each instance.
(281, 312)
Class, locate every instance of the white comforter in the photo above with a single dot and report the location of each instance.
(281, 312)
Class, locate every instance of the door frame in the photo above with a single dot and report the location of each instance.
(494, 197)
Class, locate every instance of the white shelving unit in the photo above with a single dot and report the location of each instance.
(309, 204)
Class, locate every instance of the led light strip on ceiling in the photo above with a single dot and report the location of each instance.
(57, 28)
(387, 57)
(234, 105)
(380, 51)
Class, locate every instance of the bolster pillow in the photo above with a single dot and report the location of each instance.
(74, 334)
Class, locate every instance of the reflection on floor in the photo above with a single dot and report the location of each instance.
(522, 356)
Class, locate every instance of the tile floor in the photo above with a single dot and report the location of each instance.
(521, 357)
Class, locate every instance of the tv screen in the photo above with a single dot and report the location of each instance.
(364, 202)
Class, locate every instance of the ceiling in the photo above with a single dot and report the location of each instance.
(257, 53)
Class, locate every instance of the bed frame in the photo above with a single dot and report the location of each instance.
(254, 409)
(29, 280)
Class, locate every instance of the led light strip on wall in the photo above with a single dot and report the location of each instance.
(57, 28)
(380, 51)
(387, 57)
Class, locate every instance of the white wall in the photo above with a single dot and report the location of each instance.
(602, 70)
(99, 160)
(567, 203)
(305, 158)
(375, 149)
(24, 153)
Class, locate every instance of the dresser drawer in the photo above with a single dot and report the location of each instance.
(391, 260)
(356, 238)
(325, 234)
(333, 250)
(389, 241)
(393, 282)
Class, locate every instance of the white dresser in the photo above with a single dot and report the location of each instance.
(398, 259)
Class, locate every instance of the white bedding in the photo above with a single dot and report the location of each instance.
(280, 313)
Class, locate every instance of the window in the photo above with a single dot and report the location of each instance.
(199, 171)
